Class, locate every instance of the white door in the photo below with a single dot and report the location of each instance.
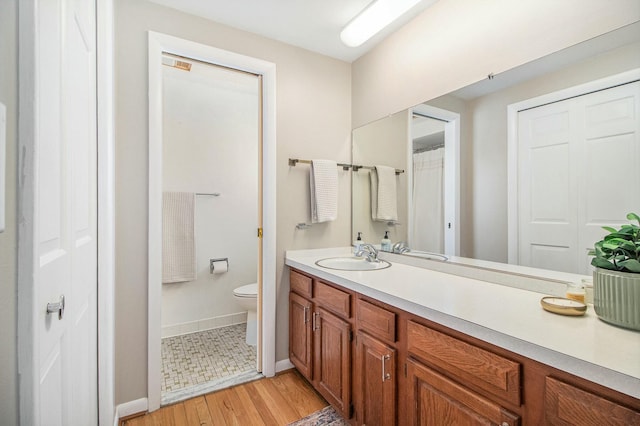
(577, 172)
(63, 388)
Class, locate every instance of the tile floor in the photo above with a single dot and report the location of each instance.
(197, 358)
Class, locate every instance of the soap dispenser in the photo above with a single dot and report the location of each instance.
(357, 244)
(385, 244)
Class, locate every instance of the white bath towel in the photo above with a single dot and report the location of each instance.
(323, 181)
(178, 239)
(384, 199)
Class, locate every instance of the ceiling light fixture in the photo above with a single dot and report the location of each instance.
(374, 18)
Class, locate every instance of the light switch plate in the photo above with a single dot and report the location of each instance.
(3, 161)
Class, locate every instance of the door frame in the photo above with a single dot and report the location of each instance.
(512, 142)
(26, 342)
(159, 43)
(105, 82)
(451, 185)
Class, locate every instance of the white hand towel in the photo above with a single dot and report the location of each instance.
(178, 239)
(383, 191)
(323, 181)
(374, 194)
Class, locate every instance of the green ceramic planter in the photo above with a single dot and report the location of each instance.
(616, 297)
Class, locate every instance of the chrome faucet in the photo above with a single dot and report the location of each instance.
(371, 252)
(401, 247)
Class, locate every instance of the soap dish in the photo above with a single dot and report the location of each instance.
(563, 306)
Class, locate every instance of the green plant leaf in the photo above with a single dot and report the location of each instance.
(618, 243)
(628, 246)
(619, 250)
(633, 216)
(599, 262)
(621, 235)
(632, 265)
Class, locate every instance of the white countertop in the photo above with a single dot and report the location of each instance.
(508, 317)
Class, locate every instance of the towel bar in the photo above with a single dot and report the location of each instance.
(294, 161)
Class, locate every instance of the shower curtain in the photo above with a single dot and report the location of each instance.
(428, 203)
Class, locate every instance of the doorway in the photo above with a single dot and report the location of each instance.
(211, 140)
(163, 51)
(434, 131)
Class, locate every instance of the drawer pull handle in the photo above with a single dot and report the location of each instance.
(315, 321)
(306, 313)
(385, 376)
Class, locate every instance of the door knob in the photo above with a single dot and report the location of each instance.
(56, 307)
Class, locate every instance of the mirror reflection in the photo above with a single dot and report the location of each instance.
(525, 188)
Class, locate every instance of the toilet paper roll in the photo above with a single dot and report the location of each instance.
(219, 266)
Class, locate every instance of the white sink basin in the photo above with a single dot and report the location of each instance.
(427, 255)
(352, 263)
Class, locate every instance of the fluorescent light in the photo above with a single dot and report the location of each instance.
(375, 17)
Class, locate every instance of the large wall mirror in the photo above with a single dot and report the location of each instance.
(476, 186)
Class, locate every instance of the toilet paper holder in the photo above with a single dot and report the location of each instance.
(213, 261)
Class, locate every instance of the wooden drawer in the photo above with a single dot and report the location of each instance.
(567, 405)
(469, 364)
(332, 299)
(437, 400)
(301, 284)
(378, 321)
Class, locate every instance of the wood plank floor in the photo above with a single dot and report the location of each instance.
(278, 400)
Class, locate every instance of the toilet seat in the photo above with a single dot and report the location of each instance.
(248, 291)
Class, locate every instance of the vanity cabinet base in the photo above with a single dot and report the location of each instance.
(401, 369)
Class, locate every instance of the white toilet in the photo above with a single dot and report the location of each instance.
(247, 298)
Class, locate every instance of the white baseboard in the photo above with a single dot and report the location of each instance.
(284, 364)
(203, 324)
(129, 408)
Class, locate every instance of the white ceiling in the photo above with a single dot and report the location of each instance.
(311, 24)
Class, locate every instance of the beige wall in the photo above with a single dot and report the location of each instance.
(457, 42)
(8, 242)
(313, 121)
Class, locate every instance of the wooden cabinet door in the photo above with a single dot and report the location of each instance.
(300, 334)
(375, 382)
(332, 359)
(435, 400)
(568, 405)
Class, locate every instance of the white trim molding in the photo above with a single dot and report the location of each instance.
(512, 142)
(138, 406)
(283, 365)
(106, 212)
(159, 43)
(28, 398)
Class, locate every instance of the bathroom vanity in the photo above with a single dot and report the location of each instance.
(413, 345)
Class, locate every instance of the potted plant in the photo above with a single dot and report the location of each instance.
(616, 279)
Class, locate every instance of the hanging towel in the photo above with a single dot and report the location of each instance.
(323, 181)
(178, 240)
(384, 199)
